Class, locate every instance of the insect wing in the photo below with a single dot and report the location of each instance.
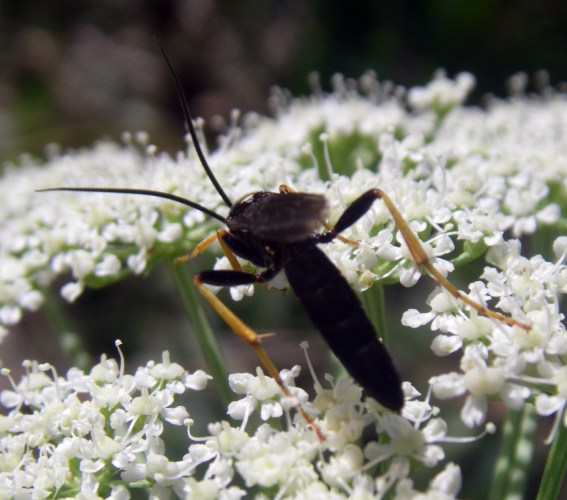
(287, 218)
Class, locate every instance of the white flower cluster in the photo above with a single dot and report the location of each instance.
(501, 360)
(463, 178)
(295, 464)
(79, 434)
(99, 435)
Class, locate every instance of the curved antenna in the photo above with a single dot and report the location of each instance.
(145, 192)
(190, 127)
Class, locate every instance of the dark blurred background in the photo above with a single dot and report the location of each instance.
(73, 72)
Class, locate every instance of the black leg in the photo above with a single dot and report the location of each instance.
(354, 212)
(363, 203)
(235, 278)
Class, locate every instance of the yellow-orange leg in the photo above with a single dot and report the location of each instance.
(206, 243)
(421, 259)
(284, 188)
(246, 334)
(251, 338)
(344, 239)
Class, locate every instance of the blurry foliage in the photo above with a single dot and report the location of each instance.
(73, 72)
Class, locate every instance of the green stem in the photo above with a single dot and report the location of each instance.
(70, 341)
(203, 331)
(511, 469)
(556, 466)
(373, 301)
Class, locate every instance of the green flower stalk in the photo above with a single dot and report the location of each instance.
(470, 182)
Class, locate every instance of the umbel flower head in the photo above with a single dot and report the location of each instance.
(469, 181)
(99, 434)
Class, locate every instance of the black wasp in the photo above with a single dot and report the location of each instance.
(279, 231)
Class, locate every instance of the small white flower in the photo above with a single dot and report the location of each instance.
(81, 263)
(448, 481)
(406, 441)
(137, 262)
(484, 381)
(10, 315)
(442, 93)
(444, 486)
(71, 291)
(448, 385)
(243, 408)
(171, 233)
(339, 469)
(444, 345)
(196, 380)
(260, 387)
(109, 266)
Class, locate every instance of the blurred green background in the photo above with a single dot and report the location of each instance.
(73, 72)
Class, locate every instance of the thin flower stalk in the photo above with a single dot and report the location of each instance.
(203, 331)
(515, 458)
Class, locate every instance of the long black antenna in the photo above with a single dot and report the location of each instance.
(145, 192)
(190, 127)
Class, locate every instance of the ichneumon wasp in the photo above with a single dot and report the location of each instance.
(278, 231)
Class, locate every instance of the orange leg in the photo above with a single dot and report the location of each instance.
(203, 245)
(206, 243)
(421, 259)
(244, 332)
(251, 338)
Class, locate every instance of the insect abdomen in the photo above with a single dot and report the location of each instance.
(337, 313)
